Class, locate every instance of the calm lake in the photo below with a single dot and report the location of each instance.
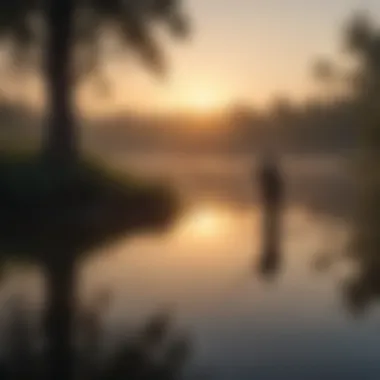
(244, 325)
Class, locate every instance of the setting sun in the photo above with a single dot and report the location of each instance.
(205, 101)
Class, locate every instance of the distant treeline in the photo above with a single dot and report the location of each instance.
(314, 127)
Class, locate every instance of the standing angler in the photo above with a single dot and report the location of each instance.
(271, 189)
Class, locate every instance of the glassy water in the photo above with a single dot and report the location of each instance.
(243, 324)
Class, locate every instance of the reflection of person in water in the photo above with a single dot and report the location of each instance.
(271, 192)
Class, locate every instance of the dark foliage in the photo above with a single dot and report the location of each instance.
(362, 41)
(88, 204)
(133, 23)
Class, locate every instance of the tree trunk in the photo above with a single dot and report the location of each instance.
(60, 149)
(61, 139)
(60, 309)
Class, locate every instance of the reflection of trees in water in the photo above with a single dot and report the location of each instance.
(364, 287)
(156, 351)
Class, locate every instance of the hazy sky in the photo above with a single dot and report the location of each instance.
(249, 50)
(246, 50)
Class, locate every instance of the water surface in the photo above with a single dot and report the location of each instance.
(244, 325)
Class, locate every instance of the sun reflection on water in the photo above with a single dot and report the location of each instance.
(206, 222)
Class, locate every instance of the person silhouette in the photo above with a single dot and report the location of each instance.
(271, 190)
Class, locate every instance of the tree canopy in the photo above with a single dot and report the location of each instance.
(133, 24)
